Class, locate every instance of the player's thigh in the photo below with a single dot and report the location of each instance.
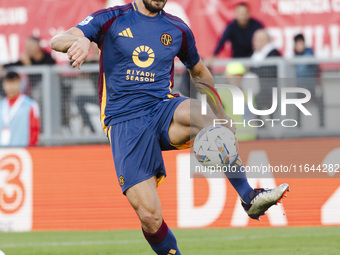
(145, 200)
(187, 121)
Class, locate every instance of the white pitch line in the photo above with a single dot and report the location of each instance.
(75, 243)
(139, 241)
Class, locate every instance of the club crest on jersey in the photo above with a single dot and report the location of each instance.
(143, 56)
(86, 21)
(121, 180)
(166, 39)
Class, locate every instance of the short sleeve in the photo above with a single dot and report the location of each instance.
(93, 24)
(188, 53)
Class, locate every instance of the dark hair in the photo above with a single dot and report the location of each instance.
(243, 4)
(34, 38)
(299, 37)
(11, 75)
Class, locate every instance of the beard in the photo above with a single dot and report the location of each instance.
(154, 8)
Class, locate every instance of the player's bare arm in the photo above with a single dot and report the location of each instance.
(204, 81)
(187, 120)
(74, 43)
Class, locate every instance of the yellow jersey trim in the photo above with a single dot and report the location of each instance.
(170, 90)
(109, 134)
(184, 146)
(103, 105)
(160, 180)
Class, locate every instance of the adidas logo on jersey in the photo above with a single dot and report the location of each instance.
(126, 33)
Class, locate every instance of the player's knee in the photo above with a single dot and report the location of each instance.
(149, 217)
(151, 220)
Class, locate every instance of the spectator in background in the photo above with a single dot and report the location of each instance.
(235, 74)
(300, 48)
(307, 75)
(33, 55)
(239, 32)
(19, 115)
(264, 48)
(305, 70)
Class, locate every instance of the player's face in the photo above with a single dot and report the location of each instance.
(154, 6)
(11, 87)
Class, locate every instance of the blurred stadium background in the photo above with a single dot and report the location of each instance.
(68, 183)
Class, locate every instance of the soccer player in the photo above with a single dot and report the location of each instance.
(138, 44)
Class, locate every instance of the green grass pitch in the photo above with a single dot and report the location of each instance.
(309, 241)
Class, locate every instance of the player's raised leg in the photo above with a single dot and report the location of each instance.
(187, 122)
(145, 200)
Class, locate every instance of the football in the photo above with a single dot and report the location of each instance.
(216, 146)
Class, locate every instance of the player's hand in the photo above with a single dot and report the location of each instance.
(78, 52)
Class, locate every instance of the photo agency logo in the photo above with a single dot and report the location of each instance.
(275, 116)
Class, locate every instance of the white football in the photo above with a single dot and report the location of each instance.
(216, 146)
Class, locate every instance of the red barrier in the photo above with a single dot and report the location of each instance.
(67, 188)
(318, 20)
